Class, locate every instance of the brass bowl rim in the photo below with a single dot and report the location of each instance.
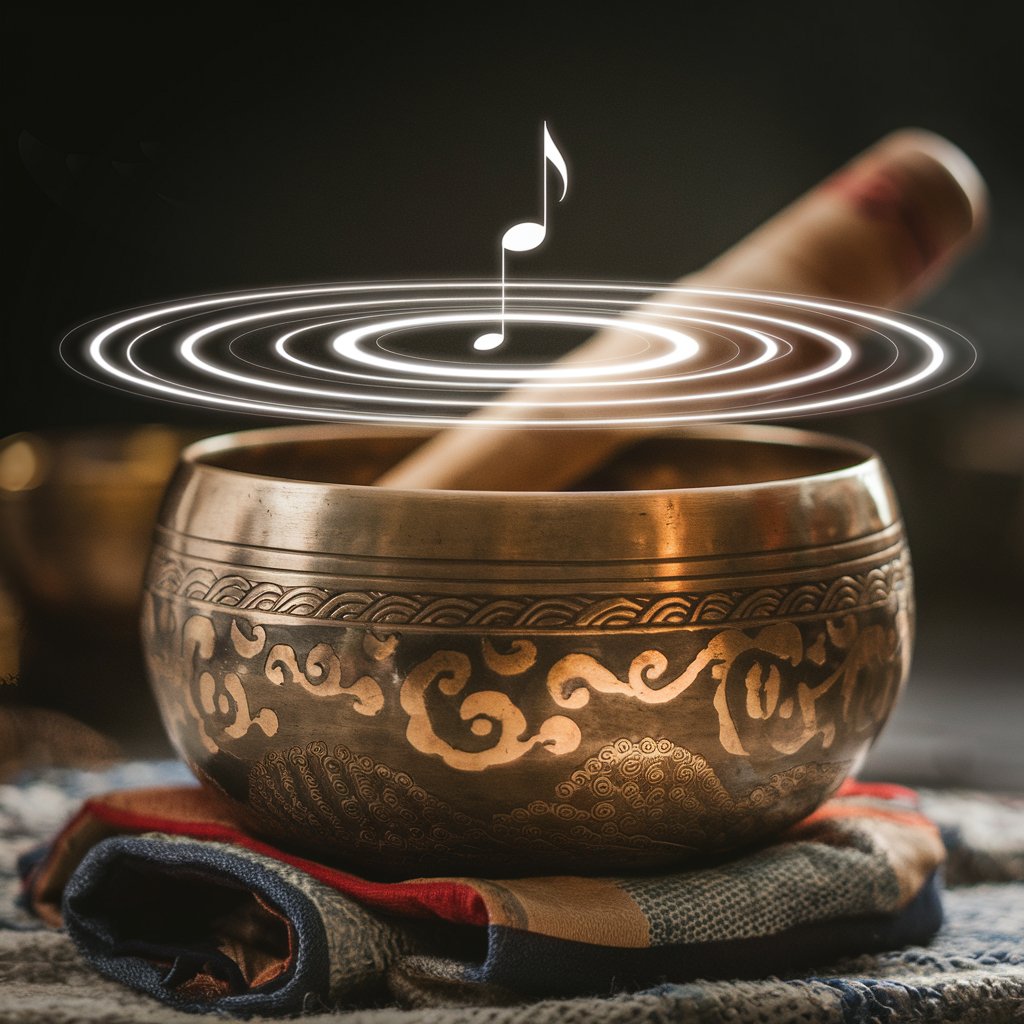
(862, 458)
(420, 533)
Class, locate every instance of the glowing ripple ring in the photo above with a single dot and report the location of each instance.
(777, 362)
(560, 379)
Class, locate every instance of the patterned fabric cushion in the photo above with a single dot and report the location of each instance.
(164, 890)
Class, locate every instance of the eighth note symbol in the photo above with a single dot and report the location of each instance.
(527, 235)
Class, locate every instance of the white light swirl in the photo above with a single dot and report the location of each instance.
(403, 352)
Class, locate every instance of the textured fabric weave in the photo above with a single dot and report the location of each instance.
(232, 922)
(972, 971)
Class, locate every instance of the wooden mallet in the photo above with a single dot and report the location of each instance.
(878, 232)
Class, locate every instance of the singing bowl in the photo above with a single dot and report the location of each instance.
(682, 657)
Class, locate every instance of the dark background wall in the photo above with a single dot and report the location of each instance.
(157, 155)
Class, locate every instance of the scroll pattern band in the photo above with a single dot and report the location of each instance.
(172, 576)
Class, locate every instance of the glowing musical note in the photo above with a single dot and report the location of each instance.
(527, 235)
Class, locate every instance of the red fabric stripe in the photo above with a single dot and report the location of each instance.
(880, 790)
(837, 811)
(452, 901)
(201, 814)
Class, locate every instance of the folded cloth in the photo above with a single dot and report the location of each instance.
(164, 890)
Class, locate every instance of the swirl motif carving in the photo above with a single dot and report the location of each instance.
(748, 664)
(247, 646)
(174, 576)
(571, 678)
(649, 801)
(490, 714)
(770, 690)
(323, 677)
(219, 705)
(233, 704)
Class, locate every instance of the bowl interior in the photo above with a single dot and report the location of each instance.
(655, 464)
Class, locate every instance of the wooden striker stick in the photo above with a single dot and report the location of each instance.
(878, 232)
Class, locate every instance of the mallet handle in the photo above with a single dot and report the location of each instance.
(878, 232)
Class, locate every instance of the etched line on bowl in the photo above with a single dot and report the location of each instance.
(170, 576)
(845, 559)
(168, 537)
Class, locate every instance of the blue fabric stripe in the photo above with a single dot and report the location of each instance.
(543, 966)
(91, 909)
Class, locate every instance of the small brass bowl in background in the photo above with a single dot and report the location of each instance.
(682, 657)
(77, 510)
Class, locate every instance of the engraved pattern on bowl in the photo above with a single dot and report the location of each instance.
(586, 682)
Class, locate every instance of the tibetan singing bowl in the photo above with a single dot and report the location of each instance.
(682, 657)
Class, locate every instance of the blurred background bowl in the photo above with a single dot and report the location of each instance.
(76, 520)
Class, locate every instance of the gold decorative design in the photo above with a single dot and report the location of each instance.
(571, 678)
(490, 714)
(869, 671)
(641, 802)
(323, 677)
(248, 646)
(216, 706)
(521, 656)
(786, 708)
(198, 639)
(379, 648)
(232, 703)
(770, 690)
(174, 576)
